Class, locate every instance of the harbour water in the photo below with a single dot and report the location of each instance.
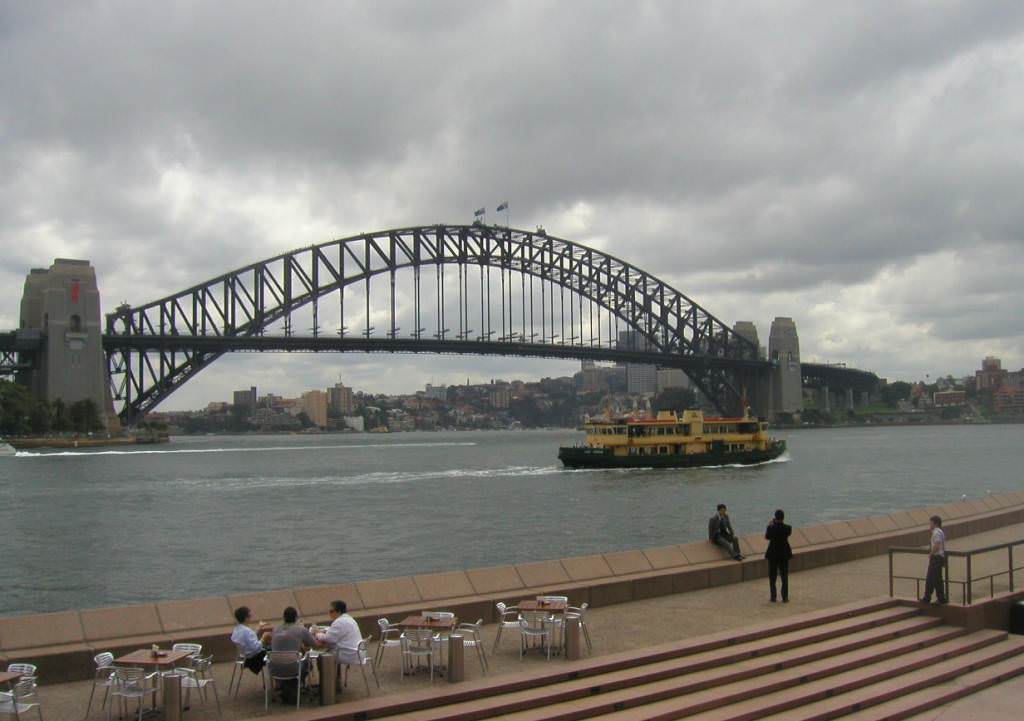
(219, 514)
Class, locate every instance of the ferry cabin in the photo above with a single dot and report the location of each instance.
(669, 434)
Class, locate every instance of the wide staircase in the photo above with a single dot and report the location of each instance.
(875, 660)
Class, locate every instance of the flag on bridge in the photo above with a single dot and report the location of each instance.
(503, 206)
(479, 212)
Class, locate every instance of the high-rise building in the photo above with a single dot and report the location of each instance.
(672, 378)
(340, 400)
(640, 377)
(437, 393)
(245, 400)
(314, 405)
(991, 375)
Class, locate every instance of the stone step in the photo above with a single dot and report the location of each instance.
(859, 614)
(734, 683)
(705, 670)
(870, 705)
(894, 673)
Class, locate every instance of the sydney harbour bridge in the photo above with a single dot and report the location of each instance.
(443, 289)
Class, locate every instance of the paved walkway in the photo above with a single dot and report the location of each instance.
(620, 628)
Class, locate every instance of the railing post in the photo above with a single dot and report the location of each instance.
(970, 581)
(890, 574)
(1009, 551)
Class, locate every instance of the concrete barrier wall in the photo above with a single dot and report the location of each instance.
(62, 644)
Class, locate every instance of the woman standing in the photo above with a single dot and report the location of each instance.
(778, 553)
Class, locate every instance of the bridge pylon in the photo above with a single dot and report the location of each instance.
(62, 304)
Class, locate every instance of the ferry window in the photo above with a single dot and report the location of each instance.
(764, 426)
(686, 429)
(632, 451)
(663, 450)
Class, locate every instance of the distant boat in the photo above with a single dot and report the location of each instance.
(6, 449)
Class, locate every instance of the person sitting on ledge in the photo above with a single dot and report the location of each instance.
(249, 645)
(721, 534)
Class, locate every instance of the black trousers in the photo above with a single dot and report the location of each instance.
(730, 544)
(933, 581)
(778, 569)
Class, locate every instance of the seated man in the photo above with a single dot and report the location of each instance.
(249, 645)
(721, 534)
(290, 635)
(343, 635)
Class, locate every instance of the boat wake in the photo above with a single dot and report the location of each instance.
(240, 449)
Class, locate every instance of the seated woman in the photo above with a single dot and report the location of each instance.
(290, 636)
(249, 645)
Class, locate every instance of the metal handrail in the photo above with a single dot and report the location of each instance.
(967, 584)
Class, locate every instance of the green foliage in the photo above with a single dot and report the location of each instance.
(674, 399)
(84, 416)
(817, 417)
(895, 392)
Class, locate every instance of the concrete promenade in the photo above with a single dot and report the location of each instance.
(623, 627)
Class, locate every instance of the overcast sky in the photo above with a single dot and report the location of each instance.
(858, 166)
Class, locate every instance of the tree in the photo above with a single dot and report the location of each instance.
(893, 393)
(84, 416)
(59, 416)
(674, 399)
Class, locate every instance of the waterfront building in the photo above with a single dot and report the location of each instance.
(945, 399)
(640, 377)
(671, 378)
(214, 407)
(314, 405)
(355, 423)
(501, 398)
(437, 393)
(340, 400)
(1008, 401)
(245, 400)
(991, 375)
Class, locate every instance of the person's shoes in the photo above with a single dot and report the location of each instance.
(737, 557)
(942, 601)
(925, 601)
(772, 599)
(785, 600)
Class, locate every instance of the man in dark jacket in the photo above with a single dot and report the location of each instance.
(721, 534)
(778, 553)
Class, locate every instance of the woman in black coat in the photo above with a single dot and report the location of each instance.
(778, 553)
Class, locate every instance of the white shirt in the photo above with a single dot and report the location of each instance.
(343, 634)
(939, 541)
(246, 639)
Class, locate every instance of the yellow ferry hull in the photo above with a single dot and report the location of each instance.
(590, 457)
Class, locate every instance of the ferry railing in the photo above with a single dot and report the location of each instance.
(971, 576)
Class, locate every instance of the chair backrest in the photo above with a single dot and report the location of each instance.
(25, 669)
(104, 660)
(283, 664)
(418, 638)
(193, 649)
(534, 620)
(501, 608)
(129, 677)
(507, 614)
(383, 623)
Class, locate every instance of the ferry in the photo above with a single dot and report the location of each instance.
(673, 441)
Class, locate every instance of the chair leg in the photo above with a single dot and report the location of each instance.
(216, 697)
(497, 637)
(586, 635)
(376, 678)
(89, 705)
(362, 667)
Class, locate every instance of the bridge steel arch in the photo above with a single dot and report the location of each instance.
(155, 348)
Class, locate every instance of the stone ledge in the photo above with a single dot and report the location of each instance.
(62, 644)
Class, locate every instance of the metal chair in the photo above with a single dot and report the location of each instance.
(23, 696)
(418, 643)
(193, 649)
(283, 666)
(104, 678)
(508, 617)
(581, 613)
(359, 656)
(239, 670)
(130, 682)
(199, 675)
(472, 637)
(390, 637)
(535, 624)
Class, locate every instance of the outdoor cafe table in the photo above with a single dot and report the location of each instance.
(9, 677)
(432, 624)
(144, 658)
(538, 605)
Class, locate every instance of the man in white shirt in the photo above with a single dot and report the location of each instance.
(936, 562)
(343, 635)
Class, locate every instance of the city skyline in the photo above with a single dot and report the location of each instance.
(853, 167)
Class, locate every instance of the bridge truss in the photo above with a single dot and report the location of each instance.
(461, 288)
